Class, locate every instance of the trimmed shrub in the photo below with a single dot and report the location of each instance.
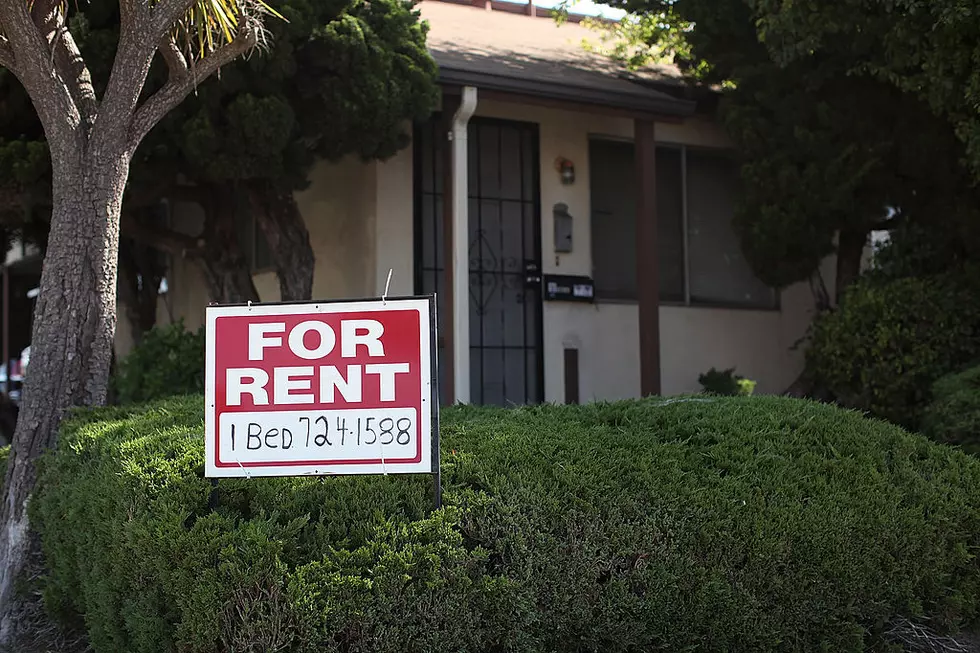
(168, 361)
(953, 417)
(726, 383)
(713, 524)
(890, 340)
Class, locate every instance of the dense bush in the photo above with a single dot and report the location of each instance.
(726, 383)
(891, 339)
(711, 524)
(915, 249)
(953, 417)
(169, 361)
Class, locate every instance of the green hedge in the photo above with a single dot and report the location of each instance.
(892, 339)
(168, 362)
(710, 524)
(726, 383)
(953, 417)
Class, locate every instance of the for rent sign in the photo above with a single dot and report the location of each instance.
(321, 388)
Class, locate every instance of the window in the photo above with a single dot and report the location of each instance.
(719, 273)
(614, 221)
(252, 240)
(701, 261)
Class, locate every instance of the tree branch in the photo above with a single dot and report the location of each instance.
(71, 65)
(166, 240)
(7, 55)
(32, 65)
(176, 62)
(180, 86)
(41, 9)
(166, 13)
(131, 13)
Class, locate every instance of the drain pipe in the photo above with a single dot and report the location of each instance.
(461, 247)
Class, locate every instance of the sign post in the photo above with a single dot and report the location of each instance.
(322, 388)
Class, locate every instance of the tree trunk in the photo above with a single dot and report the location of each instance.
(850, 251)
(71, 347)
(223, 262)
(141, 269)
(281, 222)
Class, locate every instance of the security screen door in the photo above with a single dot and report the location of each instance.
(506, 363)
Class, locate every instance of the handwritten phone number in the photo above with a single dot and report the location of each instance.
(323, 432)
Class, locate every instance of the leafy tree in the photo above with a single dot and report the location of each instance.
(829, 152)
(928, 47)
(346, 78)
(169, 361)
(92, 129)
(891, 339)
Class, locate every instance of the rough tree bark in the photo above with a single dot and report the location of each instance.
(74, 325)
(223, 262)
(92, 141)
(141, 270)
(850, 251)
(279, 217)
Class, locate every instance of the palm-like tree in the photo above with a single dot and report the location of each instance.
(92, 134)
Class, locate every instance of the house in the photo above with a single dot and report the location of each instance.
(574, 221)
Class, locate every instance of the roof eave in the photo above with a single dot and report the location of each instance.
(575, 94)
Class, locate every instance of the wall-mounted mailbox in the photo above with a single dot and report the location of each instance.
(563, 229)
(569, 288)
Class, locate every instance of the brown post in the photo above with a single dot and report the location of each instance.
(571, 376)
(647, 259)
(450, 103)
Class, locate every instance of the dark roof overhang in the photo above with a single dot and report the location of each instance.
(643, 101)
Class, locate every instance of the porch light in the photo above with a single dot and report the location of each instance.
(566, 169)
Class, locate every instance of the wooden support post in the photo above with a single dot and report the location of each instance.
(571, 377)
(647, 257)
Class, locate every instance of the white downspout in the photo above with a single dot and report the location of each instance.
(461, 247)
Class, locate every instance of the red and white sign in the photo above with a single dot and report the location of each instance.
(320, 388)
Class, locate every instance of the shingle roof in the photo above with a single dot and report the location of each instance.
(506, 51)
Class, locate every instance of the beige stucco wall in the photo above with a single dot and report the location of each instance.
(360, 218)
(19, 251)
(339, 210)
(758, 343)
(394, 230)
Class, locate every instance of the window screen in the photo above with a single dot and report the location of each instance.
(613, 192)
(719, 272)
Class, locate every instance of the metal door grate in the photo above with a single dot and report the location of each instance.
(505, 244)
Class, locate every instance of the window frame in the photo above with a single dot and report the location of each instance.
(687, 301)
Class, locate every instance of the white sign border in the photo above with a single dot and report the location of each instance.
(428, 420)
